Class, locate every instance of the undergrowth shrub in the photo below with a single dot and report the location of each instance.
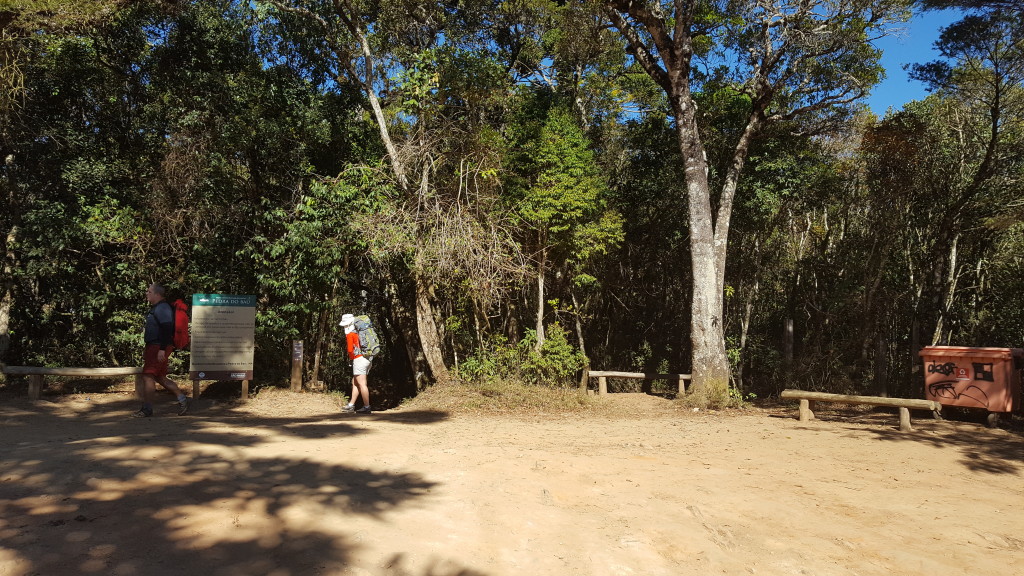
(555, 364)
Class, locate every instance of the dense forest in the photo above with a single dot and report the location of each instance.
(515, 189)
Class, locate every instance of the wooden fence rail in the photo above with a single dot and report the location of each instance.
(37, 374)
(807, 400)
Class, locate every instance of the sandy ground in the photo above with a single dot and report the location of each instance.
(286, 485)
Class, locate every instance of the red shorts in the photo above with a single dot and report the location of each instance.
(152, 366)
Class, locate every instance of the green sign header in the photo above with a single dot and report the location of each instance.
(224, 300)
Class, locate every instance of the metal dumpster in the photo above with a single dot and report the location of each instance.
(986, 378)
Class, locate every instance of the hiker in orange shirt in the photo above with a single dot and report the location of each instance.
(360, 367)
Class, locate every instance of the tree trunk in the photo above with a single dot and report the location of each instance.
(748, 314)
(710, 365)
(710, 370)
(869, 319)
(403, 330)
(950, 294)
(578, 315)
(787, 349)
(916, 378)
(881, 364)
(7, 293)
(314, 376)
(322, 331)
(426, 328)
(540, 298)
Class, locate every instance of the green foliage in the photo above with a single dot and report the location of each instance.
(159, 147)
(496, 360)
(556, 363)
(738, 399)
(567, 191)
(229, 147)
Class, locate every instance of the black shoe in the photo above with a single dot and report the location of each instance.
(141, 413)
(183, 406)
(364, 410)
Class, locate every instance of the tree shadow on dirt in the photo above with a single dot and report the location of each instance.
(92, 492)
(395, 568)
(980, 448)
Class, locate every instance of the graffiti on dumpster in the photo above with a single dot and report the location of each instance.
(947, 389)
(944, 369)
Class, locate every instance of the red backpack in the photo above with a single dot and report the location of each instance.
(181, 337)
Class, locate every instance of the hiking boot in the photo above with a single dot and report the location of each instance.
(183, 406)
(141, 413)
(364, 410)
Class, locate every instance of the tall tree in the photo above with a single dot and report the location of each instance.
(26, 27)
(976, 124)
(563, 203)
(808, 60)
(428, 82)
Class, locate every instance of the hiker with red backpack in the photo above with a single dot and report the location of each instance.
(159, 336)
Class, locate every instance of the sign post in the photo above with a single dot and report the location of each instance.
(223, 339)
(296, 365)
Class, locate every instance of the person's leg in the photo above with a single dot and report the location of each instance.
(150, 371)
(168, 384)
(364, 390)
(353, 397)
(360, 368)
(150, 391)
(172, 386)
(146, 395)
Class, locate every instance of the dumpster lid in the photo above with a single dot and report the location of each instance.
(972, 352)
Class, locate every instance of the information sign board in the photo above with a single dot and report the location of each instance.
(223, 336)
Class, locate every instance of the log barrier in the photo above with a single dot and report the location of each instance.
(807, 406)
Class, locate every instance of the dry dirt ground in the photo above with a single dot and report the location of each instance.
(286, 485)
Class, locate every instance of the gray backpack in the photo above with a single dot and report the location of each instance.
(369, 343)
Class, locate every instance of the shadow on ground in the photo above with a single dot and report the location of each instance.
(85, 490)
(998, 451)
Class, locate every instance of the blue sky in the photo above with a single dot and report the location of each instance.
(914, 46)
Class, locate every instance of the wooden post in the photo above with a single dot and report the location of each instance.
(245, 390)
(602, 385)
(805, 410)
(35, 386)
(584, 380)
(682, 386)
(195, 388)
(905, 420)
(296, 365)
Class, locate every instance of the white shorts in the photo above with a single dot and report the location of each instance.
(360, 366)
